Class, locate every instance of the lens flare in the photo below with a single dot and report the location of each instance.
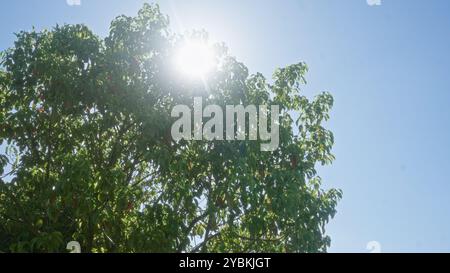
(195, 59)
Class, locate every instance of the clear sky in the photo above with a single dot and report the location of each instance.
(388, 69)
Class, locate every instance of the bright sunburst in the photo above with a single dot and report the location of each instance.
(195, 59)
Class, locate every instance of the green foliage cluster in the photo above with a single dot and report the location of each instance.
(90, 157)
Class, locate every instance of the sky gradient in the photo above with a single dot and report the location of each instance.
(387, 68)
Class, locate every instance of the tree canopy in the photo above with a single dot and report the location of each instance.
(89, 156)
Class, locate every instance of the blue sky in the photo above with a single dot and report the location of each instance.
(385, 65)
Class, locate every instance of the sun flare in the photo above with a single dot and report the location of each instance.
(195, 59)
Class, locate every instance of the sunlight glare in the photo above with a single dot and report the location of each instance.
(195, 59)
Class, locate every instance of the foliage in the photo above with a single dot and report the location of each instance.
(90, 158)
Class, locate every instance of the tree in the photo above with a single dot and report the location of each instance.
(90, 157)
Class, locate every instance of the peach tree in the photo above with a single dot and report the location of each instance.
(85, 122)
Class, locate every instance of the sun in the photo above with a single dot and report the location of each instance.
(195, 59)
